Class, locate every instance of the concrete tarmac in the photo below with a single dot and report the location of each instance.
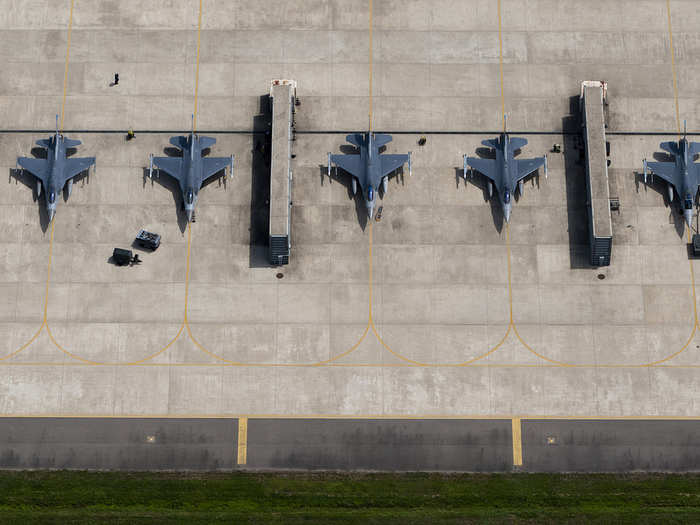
(441, 312)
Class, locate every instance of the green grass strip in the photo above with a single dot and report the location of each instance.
(92, 497)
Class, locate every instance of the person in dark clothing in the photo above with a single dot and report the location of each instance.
(116, 79)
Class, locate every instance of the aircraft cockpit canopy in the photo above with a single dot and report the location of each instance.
(189, 199)
(52, 197)
(370, 194)
(506, 196)
(688, 202)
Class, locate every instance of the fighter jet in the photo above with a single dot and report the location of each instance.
(369, 168)
(504, 171)
(191, 170)
(55, 170)
(682, 174)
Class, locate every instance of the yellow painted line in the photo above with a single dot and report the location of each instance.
(242, 440)
(226, 362)
(696, 321)
(91, 362)
(353, 417)
(349, 365)
(370, 68)
(196, 75)
(500, 65)
(673, 68)
(401, 356)
(331, 362)
(517, 442)
(65, 73)
(406, 362)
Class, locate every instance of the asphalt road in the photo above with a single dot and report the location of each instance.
(460, 445)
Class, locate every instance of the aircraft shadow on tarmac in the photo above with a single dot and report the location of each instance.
(659, 185)
(24, 177)
(575, 188)
(169, 183)
(259, 222)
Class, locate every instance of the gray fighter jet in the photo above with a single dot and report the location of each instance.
(682, 174)
(369, 168)
(191, 170)
(505, 171)
(55, 171)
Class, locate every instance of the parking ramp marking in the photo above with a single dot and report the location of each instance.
(65, 73)
(82, 359)
(370, 323)
(696, 322)
(196, 74)
(673, 68)
(500, 65)
(370, 67)
(517, 442)
(242, 440)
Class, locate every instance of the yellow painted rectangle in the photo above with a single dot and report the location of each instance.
(242, 440)
(517, 442)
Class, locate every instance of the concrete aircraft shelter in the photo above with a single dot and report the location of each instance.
(499, 330)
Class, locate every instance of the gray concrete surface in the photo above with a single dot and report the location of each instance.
(611, 446)
(408, 445)
(439, 255)
(118, 443)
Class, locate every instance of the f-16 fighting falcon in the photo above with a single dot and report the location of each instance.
(191, 170)
(505, 171)
(369, 168)
(682, 174)
(55, 170)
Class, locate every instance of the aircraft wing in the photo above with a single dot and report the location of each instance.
(76, 166)
(213, 165)
(665, 170)
(350, 163)
(527, 166)
(37, 167)
(487, 167)
(170, 165)
(391, 163)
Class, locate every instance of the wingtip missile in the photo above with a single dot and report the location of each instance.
(410, 170)
(644, 163)
(546, 172)
(150, 166)
(464, 167)
(329, 164)
(232, 157)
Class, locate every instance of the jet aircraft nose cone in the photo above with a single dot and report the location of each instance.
(688, 217)
(52, 212)
(189, 215)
